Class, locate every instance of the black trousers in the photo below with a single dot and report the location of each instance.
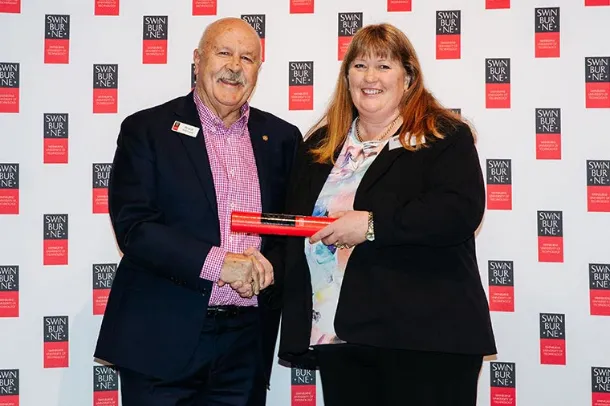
(357, 375)
(225, 370)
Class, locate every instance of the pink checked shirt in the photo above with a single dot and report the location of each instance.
(237, 189)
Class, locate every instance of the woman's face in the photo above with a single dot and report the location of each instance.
(377, 85)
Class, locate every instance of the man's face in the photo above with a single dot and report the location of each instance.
(227, 70)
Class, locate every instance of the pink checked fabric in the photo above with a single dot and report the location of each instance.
(237, 188)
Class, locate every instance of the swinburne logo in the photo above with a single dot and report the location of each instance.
(9, 291)
(154, 45)
(599, 289)
(9, 87)
(497, 83)
(55, 135)
(9, 188)
(448, 34)
(300, 85)
(503, 383)
(105, 386)
(499, 184)
(56, 345)
(550, 236)
(57, 38)
(257, 21)
(101, 179)
(55, 239)
(105, 88)
(547, 35)
(597, 82)
(548, 133)
(303, 386)
(501, 286)
(103, 276)
(552, 338)
(349, 24)
(9, 387)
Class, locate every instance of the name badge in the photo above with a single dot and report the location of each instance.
(185, 129)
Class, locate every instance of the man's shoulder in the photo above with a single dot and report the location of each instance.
(272, 120)
(156, 112)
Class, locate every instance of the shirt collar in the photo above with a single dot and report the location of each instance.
(207, 116)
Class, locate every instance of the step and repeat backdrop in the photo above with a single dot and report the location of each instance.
(532, 77)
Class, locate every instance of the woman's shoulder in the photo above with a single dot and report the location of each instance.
(454, 131)
(315, 136)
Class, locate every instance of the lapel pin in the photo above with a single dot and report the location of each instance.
(265, 138)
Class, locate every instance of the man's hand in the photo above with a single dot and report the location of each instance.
(266, 278)
(242, 272)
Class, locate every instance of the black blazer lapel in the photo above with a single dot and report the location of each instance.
(380, 165)
(260, 146)
(196, 150)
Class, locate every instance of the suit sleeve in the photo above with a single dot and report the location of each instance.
(452, 206)
(137, 219)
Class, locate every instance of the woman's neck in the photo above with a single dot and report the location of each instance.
(377, 128)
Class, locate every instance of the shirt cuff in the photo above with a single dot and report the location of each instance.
(213, 264)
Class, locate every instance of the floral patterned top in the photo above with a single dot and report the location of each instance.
(327, 263)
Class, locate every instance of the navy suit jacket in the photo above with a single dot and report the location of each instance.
(163, 209)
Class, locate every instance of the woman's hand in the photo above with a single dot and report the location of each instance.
(347, 231)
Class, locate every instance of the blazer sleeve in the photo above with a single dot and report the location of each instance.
(137, 219)
(450, 209)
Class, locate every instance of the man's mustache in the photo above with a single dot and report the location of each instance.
(230, 76)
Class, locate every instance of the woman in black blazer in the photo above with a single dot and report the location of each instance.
(387, 301)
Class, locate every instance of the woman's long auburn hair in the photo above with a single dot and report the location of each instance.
(421, 113)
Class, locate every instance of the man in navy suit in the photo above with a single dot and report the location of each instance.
(190, 319)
